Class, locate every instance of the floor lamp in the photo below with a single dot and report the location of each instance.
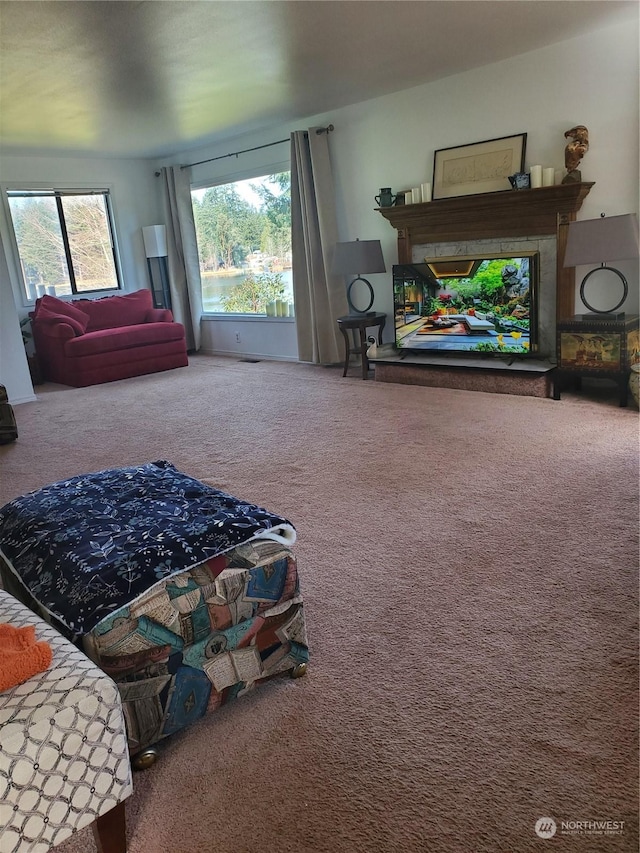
(155, 248)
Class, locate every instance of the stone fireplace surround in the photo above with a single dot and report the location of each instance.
(512, 221)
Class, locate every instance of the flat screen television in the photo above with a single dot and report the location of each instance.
(484, 304)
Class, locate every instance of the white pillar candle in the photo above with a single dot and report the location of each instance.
(51, 289)
(416, 194)
(426, 192)
(536, 176)
(270, 309)
(407, 197)
(39, 290)
(548, 177)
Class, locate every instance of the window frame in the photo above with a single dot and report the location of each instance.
(222, 180)
(25, 189)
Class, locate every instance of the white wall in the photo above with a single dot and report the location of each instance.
(390, 141)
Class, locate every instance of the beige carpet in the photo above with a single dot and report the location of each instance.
(469, 565)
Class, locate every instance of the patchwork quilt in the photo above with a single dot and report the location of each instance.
(202, 638)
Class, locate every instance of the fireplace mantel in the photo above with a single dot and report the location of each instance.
(515, 213)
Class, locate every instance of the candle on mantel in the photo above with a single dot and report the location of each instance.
(548, 177)
(536, 176)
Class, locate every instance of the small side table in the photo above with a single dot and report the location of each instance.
(596, 345)
(361, 322)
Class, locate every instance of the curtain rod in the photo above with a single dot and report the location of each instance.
(327, 129)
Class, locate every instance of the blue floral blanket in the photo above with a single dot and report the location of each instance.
(86, 546)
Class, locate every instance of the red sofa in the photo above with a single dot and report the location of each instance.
(88, 341)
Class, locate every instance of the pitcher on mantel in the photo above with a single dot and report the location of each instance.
(386, 197)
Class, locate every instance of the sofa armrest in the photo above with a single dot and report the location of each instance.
(159, 315)
(60, 330)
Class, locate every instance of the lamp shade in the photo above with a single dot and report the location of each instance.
(155, 241)
(596, 241)
(359, 256)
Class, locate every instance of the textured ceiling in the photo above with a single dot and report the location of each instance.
(153, 77)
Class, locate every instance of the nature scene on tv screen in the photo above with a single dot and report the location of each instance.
(488, 309)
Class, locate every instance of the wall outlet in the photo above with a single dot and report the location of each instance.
(237, 337)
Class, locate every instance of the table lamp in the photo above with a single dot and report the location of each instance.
(596, 241)
(357, 257)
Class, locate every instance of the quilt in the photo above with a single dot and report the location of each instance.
(87, 546)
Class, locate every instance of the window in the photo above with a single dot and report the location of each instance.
(244, 246)
(65, 241)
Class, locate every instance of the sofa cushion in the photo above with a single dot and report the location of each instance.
(122, 338)
(46, 316)
(113, 312)
(51, 304)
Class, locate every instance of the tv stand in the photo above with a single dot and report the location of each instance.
(527, 377)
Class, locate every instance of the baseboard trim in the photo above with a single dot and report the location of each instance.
(235, 354)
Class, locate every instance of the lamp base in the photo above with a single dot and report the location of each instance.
(625, 291)
(352, 307)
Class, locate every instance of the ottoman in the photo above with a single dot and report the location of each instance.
(185, 596)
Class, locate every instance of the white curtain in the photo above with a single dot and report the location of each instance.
(182, 248)
(320, 296)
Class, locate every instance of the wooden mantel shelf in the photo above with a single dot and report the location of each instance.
(475, 217)
(513, 213)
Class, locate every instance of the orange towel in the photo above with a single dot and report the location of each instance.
(20, 655)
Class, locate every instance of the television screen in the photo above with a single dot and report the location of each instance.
(467, 304)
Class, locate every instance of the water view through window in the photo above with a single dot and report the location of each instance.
(244, 246)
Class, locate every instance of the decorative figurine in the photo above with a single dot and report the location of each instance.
(574, 152)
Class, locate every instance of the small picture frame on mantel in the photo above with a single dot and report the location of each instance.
(481, 167)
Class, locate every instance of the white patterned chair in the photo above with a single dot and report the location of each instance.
(64, 762)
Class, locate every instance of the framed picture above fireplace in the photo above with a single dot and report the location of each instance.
(481, 167)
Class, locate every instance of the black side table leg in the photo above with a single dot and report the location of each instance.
(363, 353)
(347, 350)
